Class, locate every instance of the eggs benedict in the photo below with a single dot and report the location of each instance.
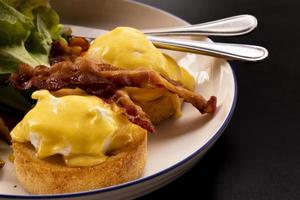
(76, 142)
(128, 48)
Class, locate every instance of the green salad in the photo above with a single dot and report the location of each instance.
(27, 29)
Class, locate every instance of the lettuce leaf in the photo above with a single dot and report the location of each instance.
(14, 26)
(46, 29)
(27, 29)
(27, 6)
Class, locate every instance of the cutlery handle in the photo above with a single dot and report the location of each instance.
(223, 50)
(232, 26)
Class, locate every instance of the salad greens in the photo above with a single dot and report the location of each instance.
(27, 28)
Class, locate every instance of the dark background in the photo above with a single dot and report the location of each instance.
(258, 155)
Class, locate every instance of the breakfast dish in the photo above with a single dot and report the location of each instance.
(93, 134)
(59, 149)
(93, 107)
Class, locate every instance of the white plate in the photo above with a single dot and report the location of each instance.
(180, 143)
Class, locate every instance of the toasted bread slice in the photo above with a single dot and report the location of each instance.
(51, 175)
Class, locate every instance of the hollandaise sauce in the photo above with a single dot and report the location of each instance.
(129, 48)
(81, 128)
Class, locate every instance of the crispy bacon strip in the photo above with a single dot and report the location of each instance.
(101, 80)
(146, 78)
(133, 112)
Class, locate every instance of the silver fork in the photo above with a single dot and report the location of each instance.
(231, 26)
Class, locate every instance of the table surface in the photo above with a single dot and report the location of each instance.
(258, 155)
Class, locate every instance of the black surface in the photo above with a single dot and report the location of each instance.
(258, 156)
